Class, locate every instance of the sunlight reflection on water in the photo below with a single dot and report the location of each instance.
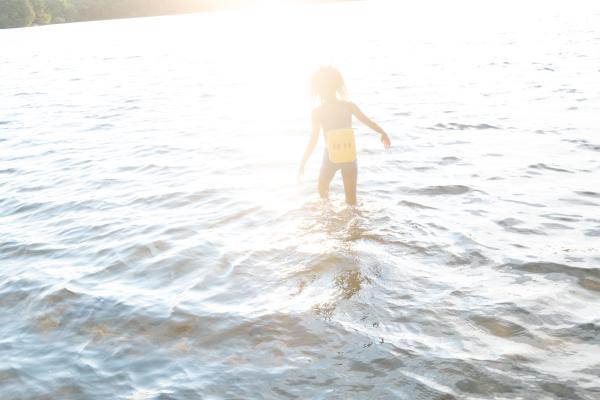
(156, 244)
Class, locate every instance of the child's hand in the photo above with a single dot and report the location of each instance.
(386, 141)
(301, 173)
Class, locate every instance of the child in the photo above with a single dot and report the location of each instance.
(334, 116)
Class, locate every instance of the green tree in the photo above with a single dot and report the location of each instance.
(42, 17)
(15, 13)
(61, 11)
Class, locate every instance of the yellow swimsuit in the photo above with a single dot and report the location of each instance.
(341, 145)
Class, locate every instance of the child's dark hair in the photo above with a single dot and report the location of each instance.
(327, 81)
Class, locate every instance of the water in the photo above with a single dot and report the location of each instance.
(155, 243)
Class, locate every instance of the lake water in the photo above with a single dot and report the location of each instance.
(155, 242)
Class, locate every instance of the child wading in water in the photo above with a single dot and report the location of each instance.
(334, 116)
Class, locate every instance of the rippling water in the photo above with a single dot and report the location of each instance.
(155, 243)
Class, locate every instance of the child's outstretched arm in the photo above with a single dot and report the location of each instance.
(365, 120)
(314, 136)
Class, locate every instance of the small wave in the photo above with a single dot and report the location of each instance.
(28, 189)
(589, 194)
(414, 205)
(484, 388)
(563, 217)
(566, 90)
(24, 208)
(448, 160)
(411, 247)
(526, 203)
(237, 216)
(14, 249)
(588, 278)
(469, 257)
(167, 200)
(551, 225)
(18, 292)
(110, 116)
(561, 390)
(579, 202)
(27, 94)
(588, 332)
(590, 146)
(510, 225)
(100, 127)
(442, 190)
(549, 168)
(461, 127)
(500, 327)
(421, 169)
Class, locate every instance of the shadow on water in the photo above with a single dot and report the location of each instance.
(345, 225)
(339, 266)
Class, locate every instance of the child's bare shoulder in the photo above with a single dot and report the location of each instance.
(351, 105)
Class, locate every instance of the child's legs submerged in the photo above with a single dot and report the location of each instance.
(327, 173)
(349, 175)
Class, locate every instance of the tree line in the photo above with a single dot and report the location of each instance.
(18, 13)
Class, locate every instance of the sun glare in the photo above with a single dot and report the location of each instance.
(271, 3)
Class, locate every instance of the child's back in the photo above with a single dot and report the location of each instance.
(335, 114)
(332, 115)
